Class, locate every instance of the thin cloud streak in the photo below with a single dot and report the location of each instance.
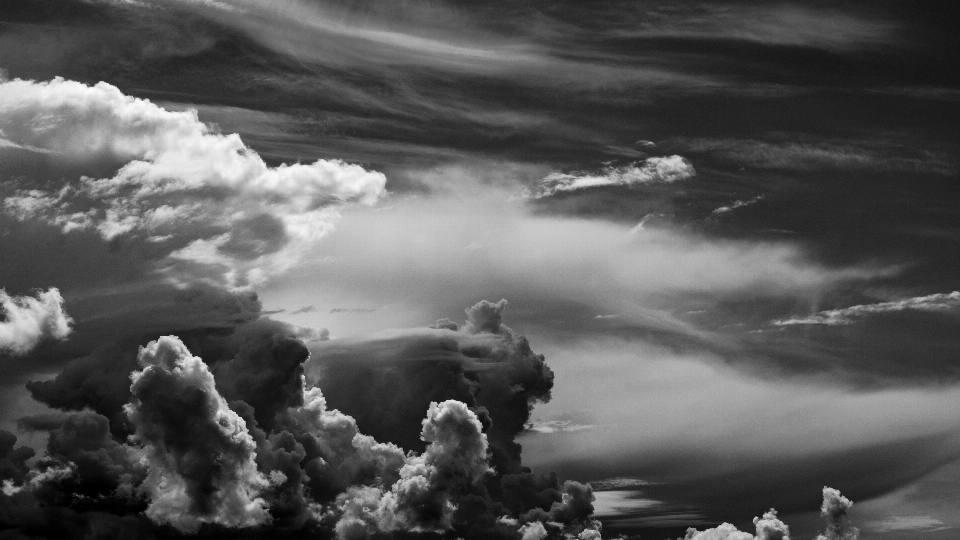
(938, 303)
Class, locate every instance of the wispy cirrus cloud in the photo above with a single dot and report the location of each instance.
(937, 303)
(907, 523)
(818, 155)
(781, 24)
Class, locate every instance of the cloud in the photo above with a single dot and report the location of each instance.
(36, 478)
(26, 321)
(13, 459)
(783, 25)
(455, 457)
(834, 513)
(689, 428)
(935, 303)
(593, 266)
(177, 182)
(769, 527)
(103, 473)
(817, 155)
(308, 465)
(371, 37)
(483, 363)
(351, 310)
(739, 203)
(665, 169)
(906, 523)
(266, 374)
(201, 457)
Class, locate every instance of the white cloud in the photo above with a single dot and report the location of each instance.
(605, 267)
(656, 408)
(774, 24)
(37, 478)
(652, 170)
(25, 321)
(819, 155)
(176, 179)
(739, 203)
(940, 302)
(906, 523)
(769, 527)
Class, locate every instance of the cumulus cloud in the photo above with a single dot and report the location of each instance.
(936, 303)
(456, 457)
(103, 473)
(423, 497)
(233, 335)
(664, 169)
(336, 455)
(50, 472)
(26, 321)
(197, 459)
(201, 456)
(484, 364)
(266, 374)
(834, 513)
(13, 460)
(769, 527)
(133, 168)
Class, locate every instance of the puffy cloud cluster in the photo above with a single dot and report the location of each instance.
(422, 499)
(484, 364)
(240, 440)
(25, 321)
(769, 527)
(164, 438)
(834, 512)
(663, 169)
(124, 166)
(200, 453)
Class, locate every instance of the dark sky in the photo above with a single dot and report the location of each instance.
(731, 228)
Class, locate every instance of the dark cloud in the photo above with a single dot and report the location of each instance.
(266, 374)
(201, 456)
(484, 364)
(196, 461)
(13, 466)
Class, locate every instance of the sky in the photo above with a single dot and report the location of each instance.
(456, 269)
